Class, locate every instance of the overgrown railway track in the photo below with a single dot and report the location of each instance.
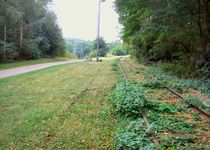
(204, 114)
(194, 108)
(144, 117)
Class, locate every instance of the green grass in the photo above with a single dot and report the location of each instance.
(4, 66)
(37, 109)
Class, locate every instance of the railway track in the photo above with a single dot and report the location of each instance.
(144, 117)
(202, 113)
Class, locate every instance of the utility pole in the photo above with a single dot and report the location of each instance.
(98, 32)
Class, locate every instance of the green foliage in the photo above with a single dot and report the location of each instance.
(167, 30)
(93, 54)
(103, 47)
(70, 55)
(136, 136)
(11, 52)
(176, 83)
(178, 142)
(163, 117)
(152, 83)
(165, 108)
(29, 30)
(170, 124)
(192, 100)
(30, 50)
(115, 66)
(128, 99)
(118, 50)
(80, 47)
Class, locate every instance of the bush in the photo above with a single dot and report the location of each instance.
(118, 50)
(70, 55)
(92, 54)
(31, 50)
(128, 100)
(11, 52)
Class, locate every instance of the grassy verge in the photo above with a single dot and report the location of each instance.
(4, 66)
(62, 107)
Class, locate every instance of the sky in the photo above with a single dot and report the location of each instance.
(78, 19)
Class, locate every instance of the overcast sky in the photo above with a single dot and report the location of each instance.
(78, 19)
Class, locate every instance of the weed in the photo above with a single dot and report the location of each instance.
(128, 99)
(198, 118)
(170, 124)
(176, 142)
(192, 100)
(115, 66)
(135, 136)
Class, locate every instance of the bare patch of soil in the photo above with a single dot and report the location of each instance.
(169, 100)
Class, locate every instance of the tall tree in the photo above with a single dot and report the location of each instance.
(167, 30)
(30, 30)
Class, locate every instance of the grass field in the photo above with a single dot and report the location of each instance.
(4, 66)
(62, 107)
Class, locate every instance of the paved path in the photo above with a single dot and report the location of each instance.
(21, 70)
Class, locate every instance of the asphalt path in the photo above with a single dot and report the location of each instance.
(25, 69)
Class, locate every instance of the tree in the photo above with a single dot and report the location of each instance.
(103, 48)
(119, 50)
(167, 30)
(80, 47)
(30, 28)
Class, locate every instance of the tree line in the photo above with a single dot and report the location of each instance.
(82, 48)
(167, 30)
(28, 30)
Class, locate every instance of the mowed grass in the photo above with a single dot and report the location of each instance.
(62, 107)
(4, 66)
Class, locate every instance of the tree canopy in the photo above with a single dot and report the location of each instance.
(81, 48)
(28, 30)
(103, 47)
(167, 30)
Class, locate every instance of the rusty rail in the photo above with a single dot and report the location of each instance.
(205, 114)
(144, 117)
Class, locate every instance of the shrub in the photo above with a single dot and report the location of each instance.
(92, 54)
(70, 55)
(128, 99)
(11, 52)
(30, 50)
(118, 50)
(115, 66)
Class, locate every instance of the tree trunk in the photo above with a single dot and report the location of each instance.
(207, 20)
(21, 35)
(200, 23)
(5, 41)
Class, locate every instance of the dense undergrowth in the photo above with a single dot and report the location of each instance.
(177, 83)
(130, 102)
